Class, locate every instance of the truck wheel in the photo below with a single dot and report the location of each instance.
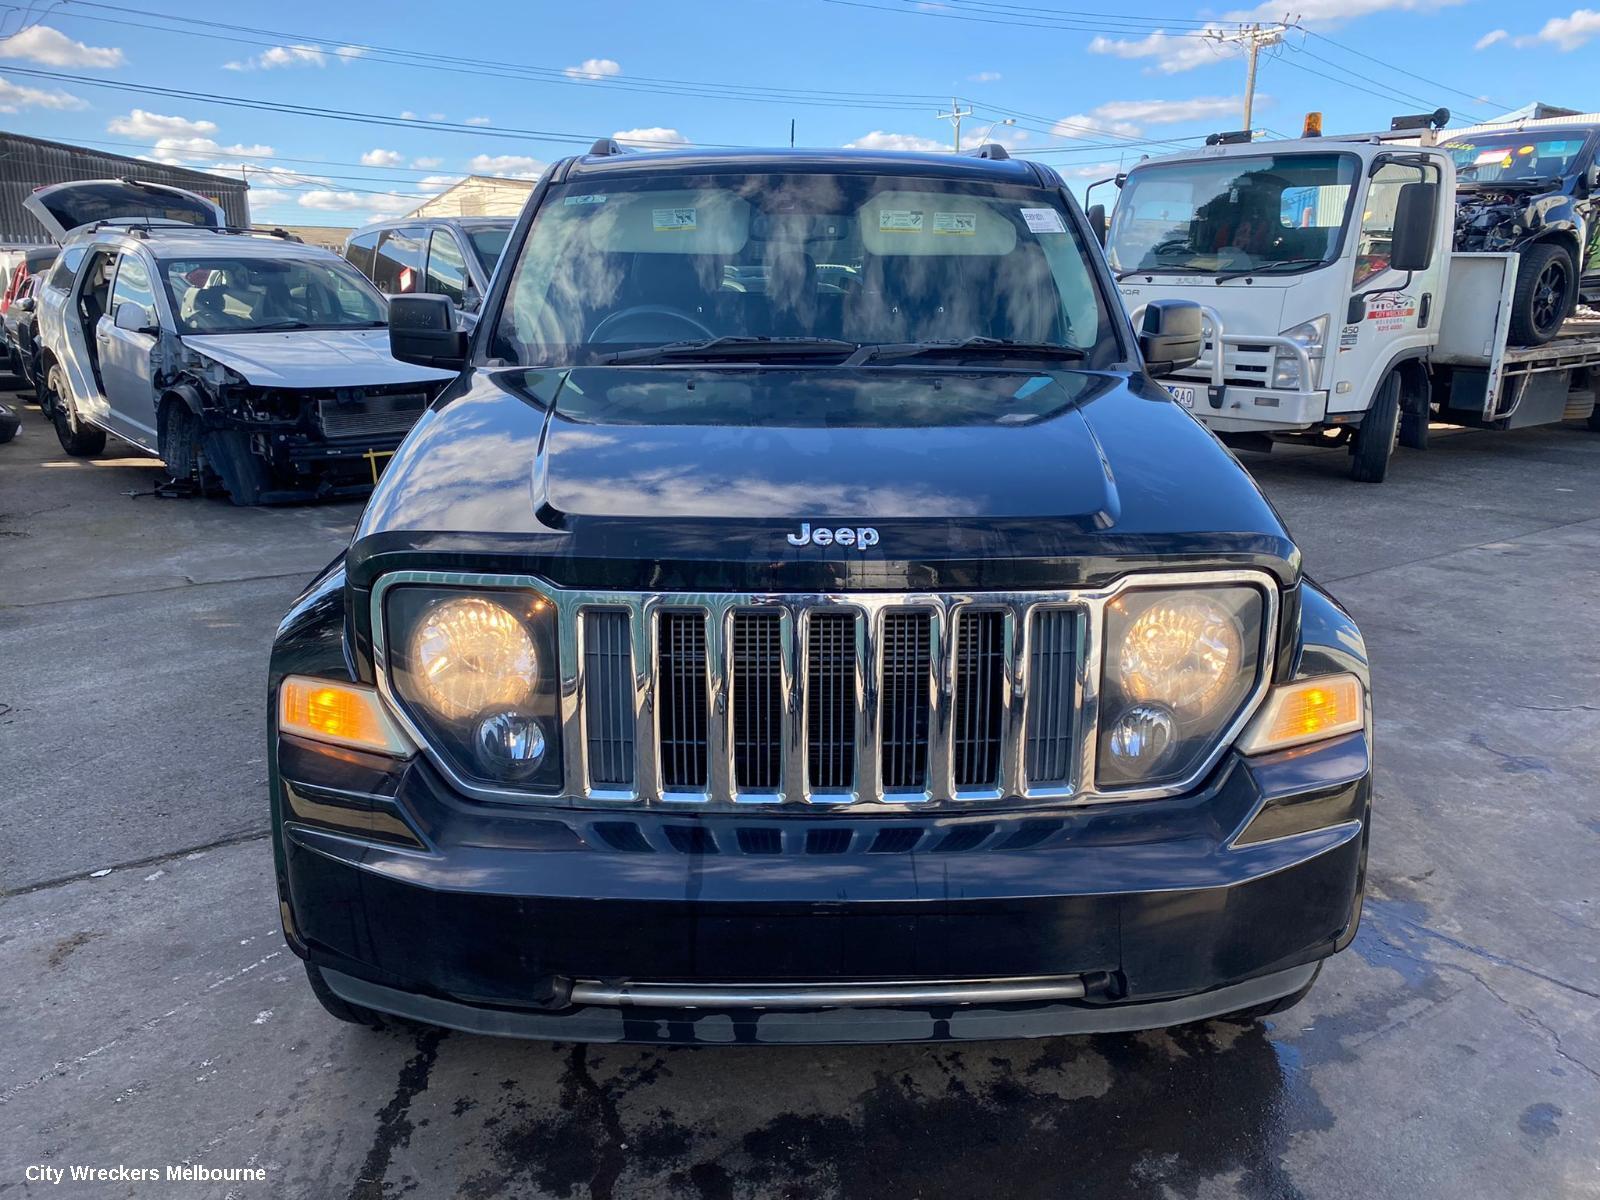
(78, 438)
(1415, 413)
(1546, 288)
(1268, 1008)
(1374, 440)
(338, 1007)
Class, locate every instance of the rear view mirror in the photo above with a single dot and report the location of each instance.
(1097, 221)
(1170, 339)
(1414, 212)
(135, 318)
(422, 331)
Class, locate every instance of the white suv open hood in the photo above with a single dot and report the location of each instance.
(312, 358)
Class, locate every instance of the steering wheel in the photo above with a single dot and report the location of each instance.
(650, 318)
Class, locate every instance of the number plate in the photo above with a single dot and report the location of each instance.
(1183, 395)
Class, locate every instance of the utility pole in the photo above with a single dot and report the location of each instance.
(954, 117)
(1254, 38)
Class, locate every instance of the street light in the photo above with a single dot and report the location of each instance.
(988, 131)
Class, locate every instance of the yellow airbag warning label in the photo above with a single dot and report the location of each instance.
(899, 220)
(672, 220)
(962, 224)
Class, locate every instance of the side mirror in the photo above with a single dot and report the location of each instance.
(1171, 338)
(1415, 209)
(135, 318)
(1097, 221)
(1591, 177)
(422, 331)
(25, 304)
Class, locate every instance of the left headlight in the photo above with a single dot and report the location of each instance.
(1178, 665)
(1286, 367)
(476, 673)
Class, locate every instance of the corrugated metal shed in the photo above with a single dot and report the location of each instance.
(27, 163)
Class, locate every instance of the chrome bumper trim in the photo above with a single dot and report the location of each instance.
(826, 995)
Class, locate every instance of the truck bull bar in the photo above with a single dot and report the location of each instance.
(1215, 364)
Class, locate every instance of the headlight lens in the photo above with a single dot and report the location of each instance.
(1286, 367)
(476, 672)
(1179, 663)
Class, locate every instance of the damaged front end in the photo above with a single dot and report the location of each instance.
(1504, 218)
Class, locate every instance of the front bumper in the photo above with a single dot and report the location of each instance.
(1255, 409)
(502, 919)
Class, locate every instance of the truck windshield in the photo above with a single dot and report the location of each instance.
(1512, 157)
(1277, 212)
(825, 262)
(243, 295)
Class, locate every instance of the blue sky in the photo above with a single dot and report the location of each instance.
(502, 88)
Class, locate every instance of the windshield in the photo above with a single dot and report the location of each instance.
(240, 295)
(1507, 157)
(840, 261)
(1210, 216)
(488, 241)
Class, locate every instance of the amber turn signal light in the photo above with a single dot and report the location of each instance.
(344, 714)
(1307, 710)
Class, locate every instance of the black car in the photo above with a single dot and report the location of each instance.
(805, 620)
(1535, 191)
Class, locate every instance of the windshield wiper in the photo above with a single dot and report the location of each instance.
(967, 347)
(732, 346)
(1268, 267)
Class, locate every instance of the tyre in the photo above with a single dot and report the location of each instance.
(178, 441)
(1374, 441)
(1415, 413)
(1546, 288)
(1268, 1008)
(9, 424)
(78, 437)
(338, 1007)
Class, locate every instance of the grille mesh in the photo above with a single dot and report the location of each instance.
(831, 700)
(373, 416)
(682, 700)
(907, 658)
(608, 712)
(757, 701)
(980, 666)
(1051, 660)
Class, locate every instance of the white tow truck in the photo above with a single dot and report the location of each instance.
(1333, 305)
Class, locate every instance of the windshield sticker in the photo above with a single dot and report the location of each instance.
(899, 220)
(674, 220)
(961, 224)
(1043, 220)
(584, 200)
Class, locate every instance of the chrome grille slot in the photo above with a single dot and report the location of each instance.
(757, 701)
(608, 713)
(979, 686)
(1052, 660)
(907, 699)
(831, 700)
(681, 699)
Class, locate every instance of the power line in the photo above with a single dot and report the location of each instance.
(1322, 37)
(1112, 25)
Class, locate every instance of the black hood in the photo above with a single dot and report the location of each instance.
(708, 477)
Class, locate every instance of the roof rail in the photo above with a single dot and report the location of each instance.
(989, 150)
(607, 147)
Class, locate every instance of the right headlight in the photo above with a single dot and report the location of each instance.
(476, 672)
(1178, 665)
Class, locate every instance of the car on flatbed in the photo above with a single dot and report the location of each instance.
(805, 619)
(248, 363)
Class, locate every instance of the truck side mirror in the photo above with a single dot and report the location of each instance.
(1415, 209)
(1171, 338)
(422, 331)
(1097, 222)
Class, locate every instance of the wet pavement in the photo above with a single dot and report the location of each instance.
(151, 1015)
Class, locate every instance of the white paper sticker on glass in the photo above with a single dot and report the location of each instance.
(961, 224)
(674, 220)
(598, 199)
(899, 220)
(1043, 220)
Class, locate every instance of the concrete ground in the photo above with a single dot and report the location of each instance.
(150, 1014)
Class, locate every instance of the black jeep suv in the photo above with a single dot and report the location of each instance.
(805, 620)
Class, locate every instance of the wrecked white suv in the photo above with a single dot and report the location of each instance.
(248, 362)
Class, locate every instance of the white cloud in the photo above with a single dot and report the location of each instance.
(1174, 53)
(143, 124)
(1333, 12)
(1490, 38)
(376, 204)
(1565, 33)
(478, 121)
(268, 197)
(650, 137)
(879, 140)
(300, 54)
(14, 97)
(408, 115)
(984, 77)
(266, 176)
(515, 166)
(52, 47)
(434, 184)
(594, 68)
(1128, 118)
(1099, 170)
(178, 150)
(427, 164)
(382, 158)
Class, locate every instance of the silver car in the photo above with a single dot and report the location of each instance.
(249, 363)
(452, 257)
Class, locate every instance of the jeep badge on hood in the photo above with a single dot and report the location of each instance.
(860, 537)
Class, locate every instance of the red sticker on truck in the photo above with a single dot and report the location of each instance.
(1392, 312)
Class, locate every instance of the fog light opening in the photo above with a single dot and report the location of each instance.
(1141, 737)
(510, 744)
